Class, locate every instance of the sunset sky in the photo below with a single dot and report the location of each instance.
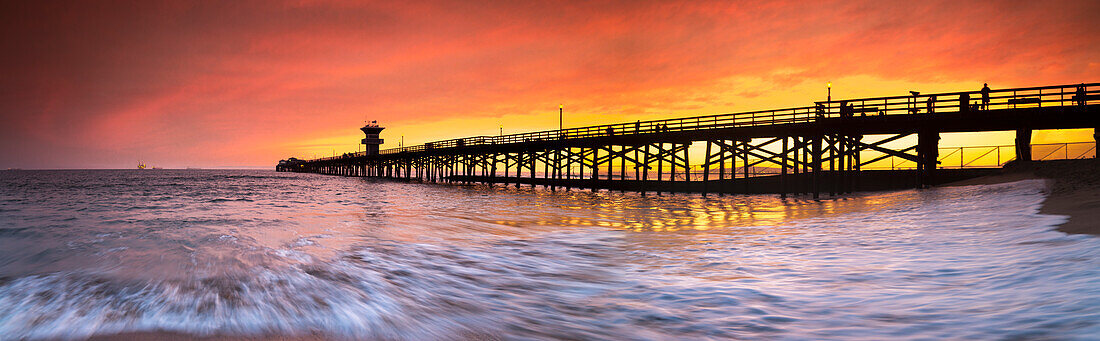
(102, 84)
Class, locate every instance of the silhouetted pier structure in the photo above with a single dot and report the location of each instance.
(806, 150)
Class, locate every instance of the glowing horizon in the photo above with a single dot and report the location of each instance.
(180, 84)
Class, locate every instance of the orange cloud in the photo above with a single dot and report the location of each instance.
(246, 83)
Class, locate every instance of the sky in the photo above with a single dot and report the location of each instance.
(103, 84)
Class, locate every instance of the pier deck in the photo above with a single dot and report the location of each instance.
(823, 147)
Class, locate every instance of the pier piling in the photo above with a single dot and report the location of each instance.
(794, 151)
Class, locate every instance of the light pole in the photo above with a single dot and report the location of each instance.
(561, 108)
(915, 94)
(829, 86)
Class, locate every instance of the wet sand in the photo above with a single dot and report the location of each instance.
(1074, 190)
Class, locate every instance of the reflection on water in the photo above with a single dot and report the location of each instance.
(263, 253)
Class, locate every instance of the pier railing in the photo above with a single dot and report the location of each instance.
(967, 101)
(1058, 95)
(746, 119)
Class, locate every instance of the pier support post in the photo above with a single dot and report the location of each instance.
(533, 159)
(800, 163)
(706, 169)
(637, 169)
(834, 171)
(660, 165)
(687, 165)
(744, 144)
(1096, 137)
(783, 170)
(721, 167)
(807, 168)
(622, 169)
(927, 154)
(856, 162)
(568, 167)
(595, 176)
(553, 175)
(816, 151)
(672, 164)
(1023, 145)
(846, 160)
(645, 170)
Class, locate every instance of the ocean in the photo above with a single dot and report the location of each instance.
(265, 254)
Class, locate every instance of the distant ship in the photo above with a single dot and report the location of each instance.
(141, 165)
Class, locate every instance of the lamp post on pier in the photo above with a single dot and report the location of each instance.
(913, 109)
(561, 109)
(829, 96)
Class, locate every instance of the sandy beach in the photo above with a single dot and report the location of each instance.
(1074, 190)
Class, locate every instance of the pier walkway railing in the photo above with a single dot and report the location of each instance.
(1050, 96)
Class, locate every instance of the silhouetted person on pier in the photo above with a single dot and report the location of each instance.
(985, 96)
(964, 102)
(610, 131)
(932, 104)
(1080, 95)
(638, 126)
(845, 109)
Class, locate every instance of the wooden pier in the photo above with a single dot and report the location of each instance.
(806, 150)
